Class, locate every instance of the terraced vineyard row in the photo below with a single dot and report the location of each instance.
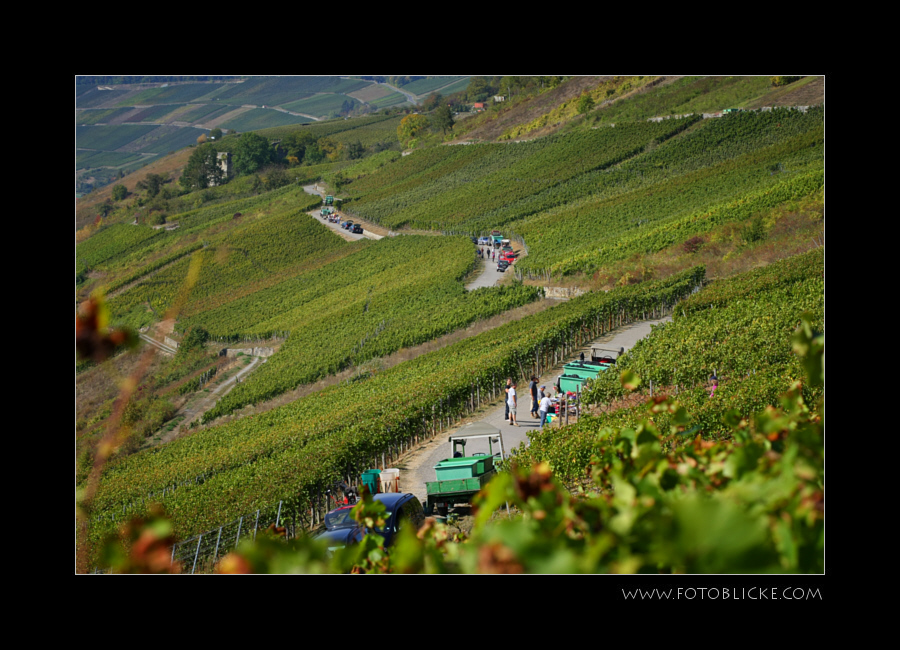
(260, 251)
(458, 187)
(643, 186)
(739, 328)
(369, 130)
(388, 300)
(291, 453)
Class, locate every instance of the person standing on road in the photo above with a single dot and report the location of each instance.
(506, 390)
(544, 407)
(533, 389)
(511, 404)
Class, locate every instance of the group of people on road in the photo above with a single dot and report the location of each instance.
(487, 254)
(541, 402)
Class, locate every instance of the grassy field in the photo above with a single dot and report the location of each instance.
(204, 112)
(86, 159)
(371, 93)
(171, 138)
(394, 99)
(275, 91)
(156, 113)
(99, 115)
(262, 118)
(320, 105)
(423, 87)
(91, 97)
(174, 93)
(109, 138)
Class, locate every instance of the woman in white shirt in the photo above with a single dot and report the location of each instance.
(544, 407)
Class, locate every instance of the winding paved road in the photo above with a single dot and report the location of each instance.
(418, 467)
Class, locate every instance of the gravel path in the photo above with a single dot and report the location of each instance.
(488, 277)
(418, 466)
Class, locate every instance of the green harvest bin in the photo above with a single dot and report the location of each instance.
(462, 468)
(571, 383)
(372, 480)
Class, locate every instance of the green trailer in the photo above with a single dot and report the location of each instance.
(577, 373)
(460, 477)
(329, 200)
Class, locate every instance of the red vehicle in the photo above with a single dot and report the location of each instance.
(509, 258)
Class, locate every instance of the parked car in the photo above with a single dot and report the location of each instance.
(485, 241)
(402, 509)
(357, 229)
(502, 266)
(347, 225)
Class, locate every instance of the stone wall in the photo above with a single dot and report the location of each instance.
(562, 293)
(256, 352)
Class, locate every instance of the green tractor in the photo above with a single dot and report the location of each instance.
(461, 477)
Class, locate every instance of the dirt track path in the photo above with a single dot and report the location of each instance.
(195, 409)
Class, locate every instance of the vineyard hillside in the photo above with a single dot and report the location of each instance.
(238, 354)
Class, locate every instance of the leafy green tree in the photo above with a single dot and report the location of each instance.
(215, 134)
(432, 102)
(250, 153)
(202, 169)
(119, 192)
(355, 150)
(585, 103)
(314, 154)
(443, 119)
(295, 144)
(478, 89)
(410, 126)
(194, 338)
(277, 178)
(152, 183)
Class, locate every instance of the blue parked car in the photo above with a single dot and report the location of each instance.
(402, 509)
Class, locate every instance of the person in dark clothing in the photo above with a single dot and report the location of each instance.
(582, 357)
(533, 387)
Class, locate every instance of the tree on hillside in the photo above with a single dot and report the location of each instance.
(152, 183)
(410, 126)
(295, 144)
(202, 169)
(443, 119)
(432, 102)
(119, 192)
(478, 90)
(585, 103)
(250, 153)
(314, 154)
(215, 134)
(277, 178)
(355, 150)
(201, 138)
(331, 149)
